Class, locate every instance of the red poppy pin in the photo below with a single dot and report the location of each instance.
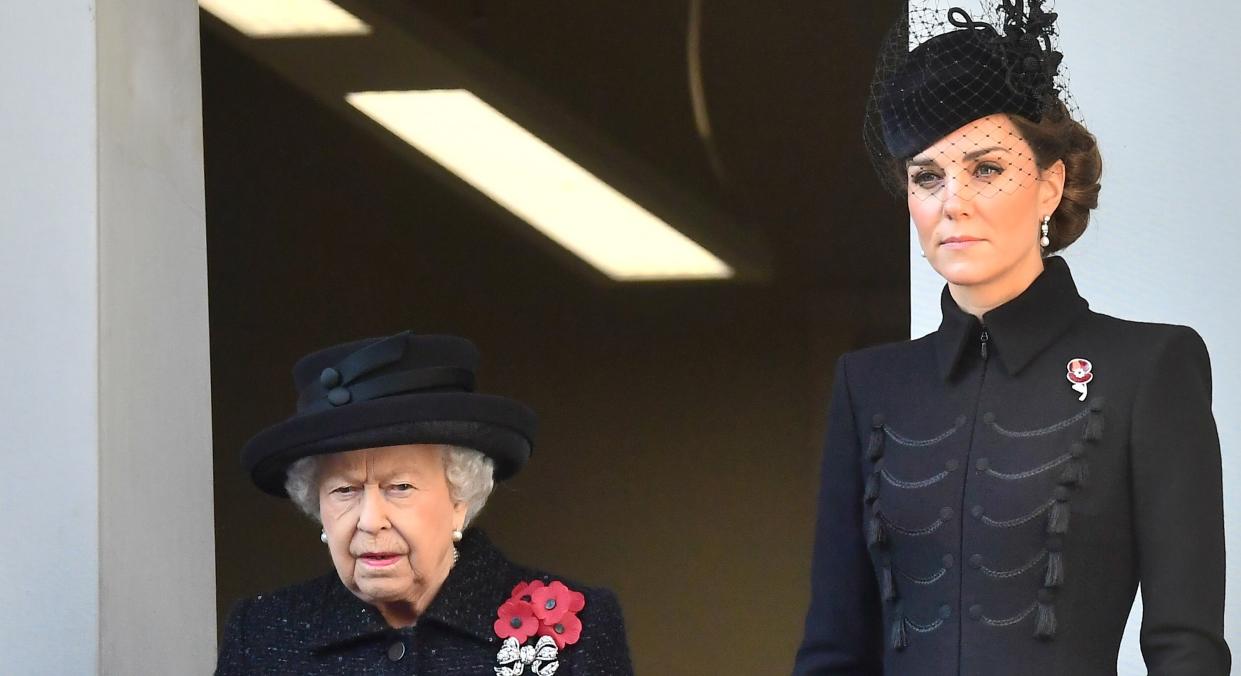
(1080, 375)
(548, 610)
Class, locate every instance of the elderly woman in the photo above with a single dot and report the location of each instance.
(994, 493)
(393, 452)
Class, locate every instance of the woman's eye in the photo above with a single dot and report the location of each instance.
(402, 487)
(925, 179)
(988, 169)
(343, 490)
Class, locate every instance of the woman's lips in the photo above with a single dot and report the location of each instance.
(959, 242)
(379, 560)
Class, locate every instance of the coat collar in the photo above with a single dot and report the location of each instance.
(1019, 329)
(472, 593)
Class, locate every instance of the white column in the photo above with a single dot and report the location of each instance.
(106, 525)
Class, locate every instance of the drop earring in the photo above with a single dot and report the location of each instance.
(1044, 241)
(323, 536)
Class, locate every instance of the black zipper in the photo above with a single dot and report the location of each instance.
(983, 339)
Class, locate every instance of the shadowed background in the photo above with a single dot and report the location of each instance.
(680, 423)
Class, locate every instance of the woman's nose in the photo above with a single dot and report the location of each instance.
(957, 195)
(373, 517)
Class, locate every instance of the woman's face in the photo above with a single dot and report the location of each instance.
(977, 199)
(389, 517)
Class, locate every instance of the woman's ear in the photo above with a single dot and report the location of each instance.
(1051, 187)
(459, 510)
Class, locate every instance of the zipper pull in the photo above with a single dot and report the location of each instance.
(983, 342)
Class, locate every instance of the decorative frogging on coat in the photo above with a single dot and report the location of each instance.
(1071, 480)
(879, 525)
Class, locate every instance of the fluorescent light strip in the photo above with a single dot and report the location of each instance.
(285, 18)
(540, 185)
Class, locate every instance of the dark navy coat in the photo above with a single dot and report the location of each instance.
(320, 628)
(980, 515)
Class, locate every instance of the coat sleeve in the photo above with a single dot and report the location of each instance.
(1179, 513)
(234, 657)
(843, 633)
(603, 650)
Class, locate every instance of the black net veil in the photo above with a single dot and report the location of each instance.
(947, 84)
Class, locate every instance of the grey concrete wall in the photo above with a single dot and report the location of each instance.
(48, 410)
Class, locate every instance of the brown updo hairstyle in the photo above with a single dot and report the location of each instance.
(1059, 137)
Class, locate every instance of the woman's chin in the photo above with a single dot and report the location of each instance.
(961, 271)
(375, 590)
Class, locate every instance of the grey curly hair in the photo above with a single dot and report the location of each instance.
(468, 471)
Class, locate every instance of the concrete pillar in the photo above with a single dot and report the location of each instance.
(106, 523)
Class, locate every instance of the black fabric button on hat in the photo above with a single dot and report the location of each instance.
(391, 391)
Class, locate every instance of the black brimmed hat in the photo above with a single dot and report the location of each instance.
(403, 389)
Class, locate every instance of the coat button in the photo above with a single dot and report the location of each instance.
(988, 417)
(877, 421)
(975, 611)
(1077, 450)
(977, 511)
(946, 513)
(949, 561)
(961, 421)
(1061, 494)
(945, 611)
(1054, 544)
(339, 396)
(396, 651)
(1046, 595)
(976, 561)
(982, 464)
(952, 465)
(329, 378)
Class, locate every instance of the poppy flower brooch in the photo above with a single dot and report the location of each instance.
(548, 611)
(1080, 375)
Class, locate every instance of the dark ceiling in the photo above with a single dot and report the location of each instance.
(784, 85)
(783, 90)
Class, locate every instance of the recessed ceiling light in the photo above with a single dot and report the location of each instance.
(286, 18)
(540, 185)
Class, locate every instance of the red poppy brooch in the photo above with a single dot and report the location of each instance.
(1080, 375)
(548, 611)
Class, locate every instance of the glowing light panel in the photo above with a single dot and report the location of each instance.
(286, 18)
(540, 185)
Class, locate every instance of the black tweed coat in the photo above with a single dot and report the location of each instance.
(320, 627)
(980, 515)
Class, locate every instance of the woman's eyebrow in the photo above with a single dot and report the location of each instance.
(975, 154)
(972, 155)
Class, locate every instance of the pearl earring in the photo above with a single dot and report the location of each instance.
(457, 535)
(323, 536)
(1044, 241)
